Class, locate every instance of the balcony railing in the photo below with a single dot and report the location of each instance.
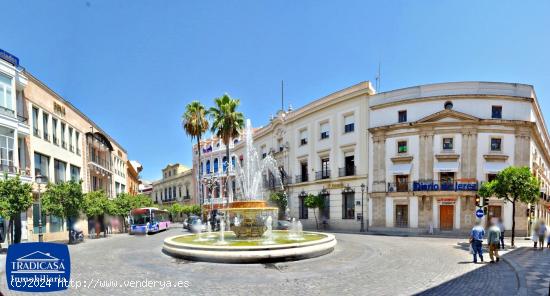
(399, 187)
(324, 174)
(7, 112)
(346, 171)
(22, 119)
(301, 178)
(11, 169)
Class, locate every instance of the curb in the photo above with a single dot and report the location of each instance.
(520, 273)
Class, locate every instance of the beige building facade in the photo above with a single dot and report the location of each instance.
(176, 186)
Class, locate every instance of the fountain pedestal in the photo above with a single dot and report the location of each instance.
(251, 215)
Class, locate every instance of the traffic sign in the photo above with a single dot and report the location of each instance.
(480, 213)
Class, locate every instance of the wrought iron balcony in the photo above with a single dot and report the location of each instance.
(346, 171)
(324, 174)
(301, 178)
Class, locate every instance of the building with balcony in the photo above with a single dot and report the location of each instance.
(432, 146)
(176, 186)
(132, 176)
(43, 134)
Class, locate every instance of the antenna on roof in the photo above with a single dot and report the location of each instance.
(378, 78)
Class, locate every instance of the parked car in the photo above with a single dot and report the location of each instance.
(283, 225)
(192, 222)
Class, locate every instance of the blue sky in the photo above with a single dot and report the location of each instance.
(132, 66)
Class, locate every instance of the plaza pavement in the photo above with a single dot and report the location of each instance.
(360, 265)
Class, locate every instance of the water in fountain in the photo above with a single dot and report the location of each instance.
(197, 227)
(268, 234)
(221, 239)
(295, 230)
(249, 177)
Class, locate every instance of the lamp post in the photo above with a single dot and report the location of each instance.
(40, 180)
(362, 208)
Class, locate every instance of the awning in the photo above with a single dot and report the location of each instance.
(495, 167)
(446, 166)
(401, 168)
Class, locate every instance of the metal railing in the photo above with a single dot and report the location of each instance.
(22, 119)
(7, 111)
(346, 171)
(324, 174)
(301, 178)
(399, 187)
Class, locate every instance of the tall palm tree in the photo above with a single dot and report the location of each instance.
(227, 123)
(195, 124)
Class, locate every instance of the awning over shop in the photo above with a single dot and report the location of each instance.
(495, 167)
(446, 166)
(401, 168)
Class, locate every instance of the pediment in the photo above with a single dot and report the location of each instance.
(448, 116)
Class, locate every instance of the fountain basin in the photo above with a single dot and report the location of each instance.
(235, 250)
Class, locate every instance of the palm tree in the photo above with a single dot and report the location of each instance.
(195, 124)
(227, 123)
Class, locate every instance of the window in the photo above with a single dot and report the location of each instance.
(45, 123)
(280, 145)
(447, 143)
(325, 212)
(77, 141)
(496, 112)
(36, 132)
(75, 173)
(348, 205)
(60, 170)
(402, 147)
(233, 163)
(41, 165)
(303, 137)
(224, 163)
(447, 180)
(216, 165)
(303, 208)
(349, 124)
(63, 141)
(54, 131)
(303, 171)
(71, 146)
(6, 100)
(325, 168)
(6, 149)
(349, 166)
(401, 183)
(491, 177)
(56, 223)
(496, 144)
(324, 130)
(264, 153)
(402, 116)
(208, 166)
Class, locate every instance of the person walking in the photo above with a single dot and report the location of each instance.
(501, 227)
(493, 240)
(476, 240)
(541, 234)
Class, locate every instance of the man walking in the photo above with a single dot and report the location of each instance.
(501, 227)
(493, 240)
(476, 239)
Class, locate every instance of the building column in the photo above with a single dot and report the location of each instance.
(468, 166)
(458, 211)
(413, 211)
(426, 155)
(379, 162)
(389, 212)
(435, 212)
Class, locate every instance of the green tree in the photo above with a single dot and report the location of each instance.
(64, 200)
(315, 202)
(513, 184)
(15, 197)
(195, 210)
(96, 203)
(175, 210)
(195, 124)
(280, 199)
(227, 123)
(140, 201)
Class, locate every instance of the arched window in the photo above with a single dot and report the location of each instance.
(303, 209)
(224, 163)
(325, 213)
(215, 165)
(233, 164)
(208, 166)
(202, 164)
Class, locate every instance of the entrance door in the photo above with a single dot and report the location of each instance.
(493, 212)
(401, 216)
(446, 217)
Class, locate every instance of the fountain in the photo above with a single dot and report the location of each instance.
(252, 238)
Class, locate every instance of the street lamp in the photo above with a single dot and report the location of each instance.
(40, 180)
(363, 208)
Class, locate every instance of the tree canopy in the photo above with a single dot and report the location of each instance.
(96, 203)
(63, 199)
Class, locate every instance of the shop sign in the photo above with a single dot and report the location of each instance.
(435, 186)
(447, 201)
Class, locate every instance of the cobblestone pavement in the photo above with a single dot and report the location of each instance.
(534, 265)
(360, 265)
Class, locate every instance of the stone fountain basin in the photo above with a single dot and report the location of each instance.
(250, 254)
